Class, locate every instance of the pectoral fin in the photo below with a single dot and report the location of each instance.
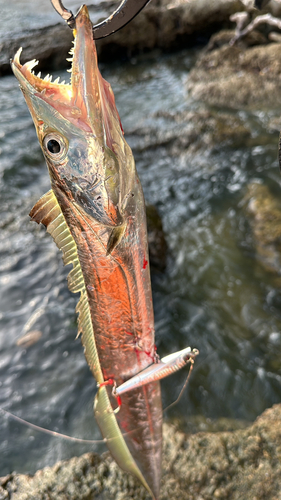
(115, 237)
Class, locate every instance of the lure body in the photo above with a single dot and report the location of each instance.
(96, 215)
(163, 368)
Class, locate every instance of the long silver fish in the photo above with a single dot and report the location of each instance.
(95, 213)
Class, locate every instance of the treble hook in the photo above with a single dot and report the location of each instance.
(124, 13)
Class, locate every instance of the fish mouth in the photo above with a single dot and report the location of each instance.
(82, 101)
(95, 159)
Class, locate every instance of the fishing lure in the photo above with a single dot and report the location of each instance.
(95, 212)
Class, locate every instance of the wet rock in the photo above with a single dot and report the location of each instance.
(228, 465)
(244, 464)
(274, 124)
(224, 37)
(191, 131)
(238, 77)
(264, 214)
(49, 45)
(163, 24)
(170, 24)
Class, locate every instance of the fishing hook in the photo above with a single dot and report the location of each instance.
(125, 12)
(112, 382)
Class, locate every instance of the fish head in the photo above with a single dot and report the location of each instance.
(80, 132)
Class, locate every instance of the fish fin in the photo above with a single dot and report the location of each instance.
(85, 327)
(117, 446)
(48, 212)
(115, 237)
(45, 210)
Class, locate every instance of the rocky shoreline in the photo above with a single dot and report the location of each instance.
(243, 464)
(163, 24)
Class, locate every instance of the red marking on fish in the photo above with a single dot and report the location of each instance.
(151, 356)
(145, 262)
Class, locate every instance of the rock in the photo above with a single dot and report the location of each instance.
(224, 37)
(172, 24)
(237, 77)
(190, 131)
(244, 464)
(163, 24)
(264, 214)
(49, 45)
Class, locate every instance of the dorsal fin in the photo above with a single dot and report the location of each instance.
(48, 212)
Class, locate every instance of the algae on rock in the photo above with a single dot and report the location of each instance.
(244, 464)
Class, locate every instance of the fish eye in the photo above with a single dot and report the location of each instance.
(55, 146)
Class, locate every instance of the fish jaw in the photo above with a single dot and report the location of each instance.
(94, 166)
(79, 102)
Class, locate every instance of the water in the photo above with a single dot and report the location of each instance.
(215, 295)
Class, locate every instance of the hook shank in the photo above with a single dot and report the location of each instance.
(66, 14)
(125, 12)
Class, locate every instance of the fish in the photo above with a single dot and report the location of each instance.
(95, 213)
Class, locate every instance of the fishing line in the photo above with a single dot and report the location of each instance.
(52, 433)
(187, 380)
(59, 434)
(183, 387)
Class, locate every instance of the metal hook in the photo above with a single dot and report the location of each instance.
(125, 12)
(67, 15)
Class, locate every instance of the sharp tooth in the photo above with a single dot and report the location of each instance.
(17, 56)
(69, 70)
(57, 80)
(70, 59)
(39, 74)
(63, 82)
(30, 64)
(43, 92)
(48, 78)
